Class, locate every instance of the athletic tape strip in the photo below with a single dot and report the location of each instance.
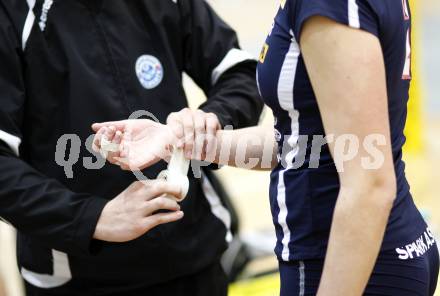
(107, 146)
(177, 172)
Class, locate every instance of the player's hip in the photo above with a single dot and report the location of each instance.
(391, 275)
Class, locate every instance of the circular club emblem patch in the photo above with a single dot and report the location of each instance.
(149, 71)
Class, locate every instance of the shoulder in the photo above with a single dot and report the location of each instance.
(359, 14)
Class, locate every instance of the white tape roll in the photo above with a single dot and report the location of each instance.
(177, 173)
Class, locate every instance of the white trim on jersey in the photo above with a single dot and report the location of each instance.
(405, 10)
(232, 58)
(29, 23)
(61, 273)
(353, 14)
(302, 278)
(407, 67)
(263, 113)
(286, 99)
(12, 141)
(217, 207)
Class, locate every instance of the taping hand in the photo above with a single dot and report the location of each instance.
(135, 211)
(195, 131)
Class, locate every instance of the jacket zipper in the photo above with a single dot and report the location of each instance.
(116, 74)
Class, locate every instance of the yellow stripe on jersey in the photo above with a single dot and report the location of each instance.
(264, 53)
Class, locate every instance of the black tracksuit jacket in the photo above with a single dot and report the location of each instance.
(65, 64)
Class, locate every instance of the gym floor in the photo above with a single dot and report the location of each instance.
(251, 198)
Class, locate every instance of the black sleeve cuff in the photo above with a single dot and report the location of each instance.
(87, 224)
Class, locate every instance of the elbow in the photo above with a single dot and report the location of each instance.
(377, 191)
(383, 195)
(382, 191)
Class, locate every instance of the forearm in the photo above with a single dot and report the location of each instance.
(358, 227)
(234, 98)
(44, 209)
(249, 148)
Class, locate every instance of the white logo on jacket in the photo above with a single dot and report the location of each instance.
(149, 71)
(44, 12)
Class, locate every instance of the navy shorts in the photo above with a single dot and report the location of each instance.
(391, 276)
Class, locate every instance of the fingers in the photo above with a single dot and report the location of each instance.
(161, 187)
(119, 125)
(113, 156)
(122, 162)
(97, 140)
(175, 124)
(97, 126)
(188, 127)
(212, 126)
(162, 218)
(152, 195)
(110, 133)
(195, 131)
(200, 134)
(105, 132)
(154, 189)
(160, 204)
(182, 125)
(118, 138)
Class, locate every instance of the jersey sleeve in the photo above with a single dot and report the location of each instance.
(358, 14)
(33, 203)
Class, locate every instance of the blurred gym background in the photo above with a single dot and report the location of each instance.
(249, 190)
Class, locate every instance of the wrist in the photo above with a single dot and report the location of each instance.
(102, 229)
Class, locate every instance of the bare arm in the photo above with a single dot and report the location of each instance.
(348, 78)
(250, 148)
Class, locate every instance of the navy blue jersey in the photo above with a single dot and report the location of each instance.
(304, 186)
